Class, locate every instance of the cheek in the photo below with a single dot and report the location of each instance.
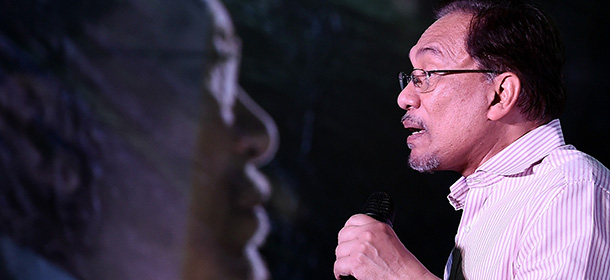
(455, 113)
(444, 108)
(214, 151)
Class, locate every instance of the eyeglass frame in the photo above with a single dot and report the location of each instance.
(402, 76)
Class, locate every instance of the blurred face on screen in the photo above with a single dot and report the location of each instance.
(174, 191)
(228, 222)
(181, 192)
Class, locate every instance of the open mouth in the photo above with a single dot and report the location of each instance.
(415, 131)
(413, 125)
(414, 128)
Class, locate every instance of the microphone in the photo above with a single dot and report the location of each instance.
(380, 207)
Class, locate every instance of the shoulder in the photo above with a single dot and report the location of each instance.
(567, 216)
(568, 176)
(575, 166)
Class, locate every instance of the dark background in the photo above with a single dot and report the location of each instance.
(326, 72)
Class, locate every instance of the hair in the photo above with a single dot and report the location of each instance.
(49, 157)
(513, 36)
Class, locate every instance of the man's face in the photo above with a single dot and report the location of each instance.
(450, 119)
(182, 194)
(228, 221)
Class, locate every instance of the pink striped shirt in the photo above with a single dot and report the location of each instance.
(539, 209)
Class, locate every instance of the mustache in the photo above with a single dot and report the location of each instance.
(412, 120)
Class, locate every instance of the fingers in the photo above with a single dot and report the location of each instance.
(359, 219)
(344, 266)
(356, 244)
(352, 257)
(362, 227)
(341, 268)
(369, 249)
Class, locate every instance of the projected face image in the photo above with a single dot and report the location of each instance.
(228, 222)
(205, 141)
(175, 191)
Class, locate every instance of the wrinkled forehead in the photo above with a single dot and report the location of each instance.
(443, 43)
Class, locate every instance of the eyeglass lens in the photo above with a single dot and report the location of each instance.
(418, 77)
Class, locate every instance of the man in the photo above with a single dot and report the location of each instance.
(483, 100)
(127, 148)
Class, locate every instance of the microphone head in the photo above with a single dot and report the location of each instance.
(380, 206)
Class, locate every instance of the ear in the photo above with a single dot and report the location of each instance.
(507, 88)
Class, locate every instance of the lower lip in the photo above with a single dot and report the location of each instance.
(414, 137)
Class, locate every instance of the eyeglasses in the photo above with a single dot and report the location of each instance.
(421, 77)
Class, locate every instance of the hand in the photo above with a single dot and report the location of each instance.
(369, 249)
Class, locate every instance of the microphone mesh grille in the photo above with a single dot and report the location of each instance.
(380, 206)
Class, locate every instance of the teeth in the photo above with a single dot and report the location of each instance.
(417, 132)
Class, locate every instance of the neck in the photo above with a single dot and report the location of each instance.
(501, 135)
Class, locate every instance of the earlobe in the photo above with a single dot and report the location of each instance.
(507, 89)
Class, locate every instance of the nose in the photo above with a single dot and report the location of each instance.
(408, 98)
(257, 134)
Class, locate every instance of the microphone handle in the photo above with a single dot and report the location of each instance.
(380, 207)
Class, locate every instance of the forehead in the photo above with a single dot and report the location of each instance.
(223, 62)
(443, 43)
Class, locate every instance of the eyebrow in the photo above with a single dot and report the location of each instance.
(431, 49)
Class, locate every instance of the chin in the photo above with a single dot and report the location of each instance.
(258, 267)
(249, 264)
(425, 163)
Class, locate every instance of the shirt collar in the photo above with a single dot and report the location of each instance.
(516, 158)
(525, 151)
(458, 192)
